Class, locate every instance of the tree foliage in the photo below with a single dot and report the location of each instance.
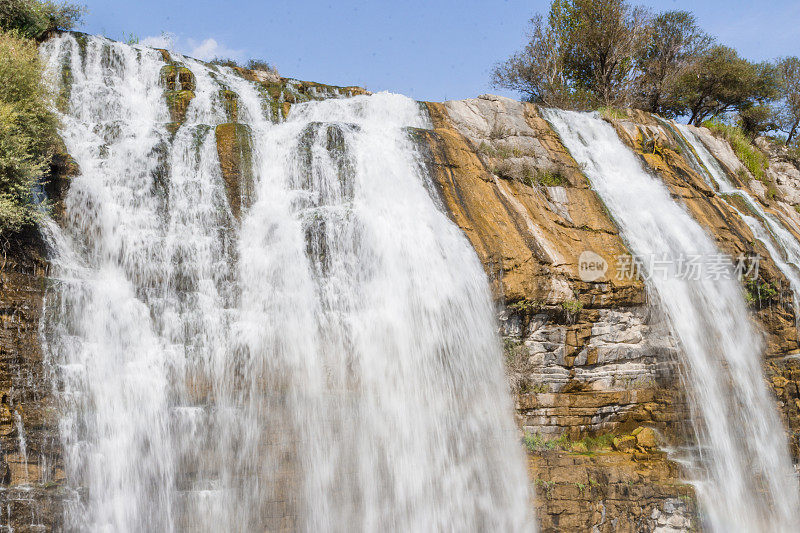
(27, 130)
(591, 53)
(537, 71)
(602, 38)
(36, 18)
(720, 82)
(674, 42)
(27, 126)
(788, 115)
(582, 56)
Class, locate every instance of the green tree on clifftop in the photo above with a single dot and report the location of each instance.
(584, 54)
(788, 116)
(720, 81)
(590, 53)
(34, 19)
(674, 43)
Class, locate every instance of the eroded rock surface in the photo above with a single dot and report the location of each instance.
(30, 463)
(584, 358)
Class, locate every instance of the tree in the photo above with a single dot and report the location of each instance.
(36, 18)
(674, 42)
(27, 126)
(603, 39)
(720, 81)
(583, 56)
(788, 116)
(27, 130)
(538, 70)
(756, 119)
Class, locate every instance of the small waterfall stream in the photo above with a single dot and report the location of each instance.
(746, 479)
(782, 245)
(327, 362)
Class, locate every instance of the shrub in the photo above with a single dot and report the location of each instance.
(597, 443)
(611, 113)
(505, 170)
(759, 295)
(27, 131)
(546, 178)
(526, 307)
(535, 442)
(260, 64)
(572, 306)
(225, 62)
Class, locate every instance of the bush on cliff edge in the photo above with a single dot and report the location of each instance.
(28, 129)
(34, 19)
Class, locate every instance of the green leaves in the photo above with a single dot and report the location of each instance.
(35, 18)
(27, 131)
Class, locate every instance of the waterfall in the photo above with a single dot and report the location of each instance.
(784, 249)
(745, 476)
(326, 360)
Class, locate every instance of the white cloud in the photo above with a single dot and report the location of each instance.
(204, 50)
(165, 40)
(210, 48)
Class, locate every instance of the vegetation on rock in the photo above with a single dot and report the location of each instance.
(252, 64)
(35, 19)
(27, 131)
(28, 139)
(535, 442)
(750, 156)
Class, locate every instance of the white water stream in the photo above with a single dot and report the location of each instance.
(327, 363)
(747, 481)
(782, 245)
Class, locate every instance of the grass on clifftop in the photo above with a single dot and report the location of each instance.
(751, 157)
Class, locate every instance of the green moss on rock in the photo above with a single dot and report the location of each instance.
(178, 102)
(176, 77)
(172, 127)
(236, 164)
(230, 101)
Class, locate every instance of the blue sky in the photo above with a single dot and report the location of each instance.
(430, 50)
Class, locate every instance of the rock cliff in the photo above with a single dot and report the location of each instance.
(593, 362)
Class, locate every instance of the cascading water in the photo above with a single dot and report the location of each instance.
(747, 480)
(328, 362)
(781, 244)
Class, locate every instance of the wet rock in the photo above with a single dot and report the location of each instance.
(236, 164)
(178, 103)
